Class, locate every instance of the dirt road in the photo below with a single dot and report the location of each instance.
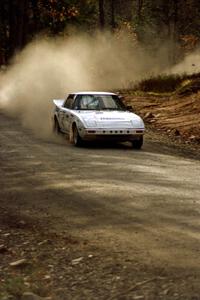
(98, 222)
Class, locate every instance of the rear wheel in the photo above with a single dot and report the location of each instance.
(137, 144)
(56, 126)
(77, 140)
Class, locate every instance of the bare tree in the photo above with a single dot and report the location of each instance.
(112, 9)
(139, 9)
(101, 14)
(18, 23)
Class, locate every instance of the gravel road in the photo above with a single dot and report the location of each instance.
(132, 217)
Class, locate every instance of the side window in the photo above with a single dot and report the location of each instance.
(76, 102)
(69, 102)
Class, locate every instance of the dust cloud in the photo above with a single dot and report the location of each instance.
(51, 68)
(190, 64)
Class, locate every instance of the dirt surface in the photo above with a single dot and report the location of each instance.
(176, 116)
(100, 222)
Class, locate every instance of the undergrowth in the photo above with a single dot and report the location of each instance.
(167, 83)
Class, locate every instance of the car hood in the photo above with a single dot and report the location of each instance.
(110, 119)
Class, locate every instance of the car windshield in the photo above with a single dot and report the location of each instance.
(100, 102)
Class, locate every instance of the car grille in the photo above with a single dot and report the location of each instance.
(114, 124)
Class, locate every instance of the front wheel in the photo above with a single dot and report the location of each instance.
(76, 139)
(137, 144)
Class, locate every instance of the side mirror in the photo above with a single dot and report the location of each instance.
(129, 107)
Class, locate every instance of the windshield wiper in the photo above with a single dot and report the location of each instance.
(111, 108)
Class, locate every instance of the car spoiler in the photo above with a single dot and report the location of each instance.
(58, 102)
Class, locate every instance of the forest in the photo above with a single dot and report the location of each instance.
(151, 22)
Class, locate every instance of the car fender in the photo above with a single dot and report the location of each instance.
(77, 118)
(56, 118)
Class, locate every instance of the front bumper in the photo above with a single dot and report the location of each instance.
(111, 134)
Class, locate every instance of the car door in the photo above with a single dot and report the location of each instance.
(67, 113)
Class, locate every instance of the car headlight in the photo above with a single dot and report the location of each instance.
(138, 123)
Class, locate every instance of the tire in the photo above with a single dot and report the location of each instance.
(56, 127)
(76, 139)
(137, 144)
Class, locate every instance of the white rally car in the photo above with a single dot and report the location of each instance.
(85, 116)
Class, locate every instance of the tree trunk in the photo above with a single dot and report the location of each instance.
(36, 14)
(139, 9)
(112, 8)
(23, 23)
(18, 23)
(173, 32)
(101, 14)
(3, 38)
